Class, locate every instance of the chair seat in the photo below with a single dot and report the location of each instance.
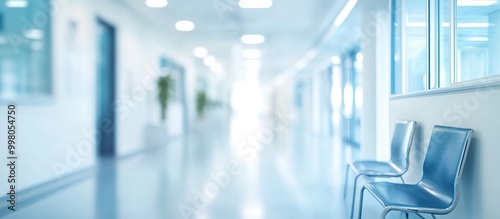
(375, 168)
(407, 196)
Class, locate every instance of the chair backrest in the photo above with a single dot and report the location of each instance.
(402, 139)
(444, 161)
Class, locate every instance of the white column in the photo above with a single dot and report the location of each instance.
(375, 46)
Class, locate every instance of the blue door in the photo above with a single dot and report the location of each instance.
(106, 79)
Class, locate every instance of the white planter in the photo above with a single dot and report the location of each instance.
(175, 121)
(156, 135)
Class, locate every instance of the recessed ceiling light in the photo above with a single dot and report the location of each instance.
(478, 39)
(184, 25)
(256, 3)
(359, 56)
(447, 24)
(473, 25)
(200, 52)
(475, 3)
(209, 61)
(16, 3)
(156, 3)
(252, 39)
(34, 34)
(417, 24)
(252, 54)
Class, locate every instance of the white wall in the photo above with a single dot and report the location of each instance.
(477, 109)
(59, 133)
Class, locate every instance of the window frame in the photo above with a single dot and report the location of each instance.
(46, 94)
(434, 85)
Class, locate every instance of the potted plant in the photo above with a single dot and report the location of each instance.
(201, 103)
(157, 134)
(164, 92)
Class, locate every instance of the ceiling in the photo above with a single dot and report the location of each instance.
(291, 27)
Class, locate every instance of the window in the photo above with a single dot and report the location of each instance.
(439, 43)
(444, 51)
(25, 70)
(410, 46)
(352, 97)
(477, 34)
(336, 92)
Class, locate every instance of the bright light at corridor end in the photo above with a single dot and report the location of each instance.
(156, 3)
(252, 54)
(252, 64)
(252, 211)
(335, 60)
(256, 3)
(246, 97)
(184, 25)
(252, 39)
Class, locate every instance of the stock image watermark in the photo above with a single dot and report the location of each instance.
(248, 152)
(222, 7)
(11, 155)
(459, 111)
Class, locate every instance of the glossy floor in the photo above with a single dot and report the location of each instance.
(241, 167)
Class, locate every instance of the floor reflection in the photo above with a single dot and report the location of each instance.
(227, 168)
(105, 192)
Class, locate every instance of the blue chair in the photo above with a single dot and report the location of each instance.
(400, 147)
(438, 190)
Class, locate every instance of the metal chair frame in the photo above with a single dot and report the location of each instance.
(426, 182)
(405, 128)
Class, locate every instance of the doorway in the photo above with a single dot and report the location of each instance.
(106, 88)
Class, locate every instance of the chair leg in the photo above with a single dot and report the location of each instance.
(354, 194)
(433, 216)
(360, 203)
(384, 214)
(406, 213)
(419, 215)
(346, 179)
(402, 180)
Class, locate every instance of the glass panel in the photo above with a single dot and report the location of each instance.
(336, 92)
(396, 81)
(347, 97)
(25, 50)
(298, 95)
(478, 32)
(444, 44)
(358, 96)
(352, 96)
(410, 46)
(327, 109)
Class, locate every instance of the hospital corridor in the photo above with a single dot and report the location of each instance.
(249, 109)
